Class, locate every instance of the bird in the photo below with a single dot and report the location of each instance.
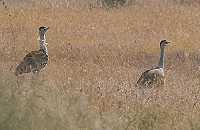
(154, 77)
(34, 61)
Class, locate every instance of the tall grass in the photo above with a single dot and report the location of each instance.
(96, 56)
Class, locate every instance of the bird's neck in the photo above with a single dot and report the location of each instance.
(161, 61)
(42, 42)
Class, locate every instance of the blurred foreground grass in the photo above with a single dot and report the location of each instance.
(44, 105)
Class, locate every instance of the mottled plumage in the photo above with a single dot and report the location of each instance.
(154, 77)
(35, 60)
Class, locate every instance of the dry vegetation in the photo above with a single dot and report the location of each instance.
(96, 57)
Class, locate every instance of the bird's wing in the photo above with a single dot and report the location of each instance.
(141, 79)
(153, 74)
(156, 73)
(36, 56)
(150, 76)
(34, 60)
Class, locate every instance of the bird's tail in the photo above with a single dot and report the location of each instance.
(18, 70)
(23, 67)
(139, 82)
(15, 73)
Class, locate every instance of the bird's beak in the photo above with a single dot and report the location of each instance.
(47, 28)
(169, 41)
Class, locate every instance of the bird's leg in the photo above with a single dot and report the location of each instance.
(156, 94)
(18, 82)
(35, 75)
(37, 72)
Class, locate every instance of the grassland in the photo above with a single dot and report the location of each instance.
(96, 56)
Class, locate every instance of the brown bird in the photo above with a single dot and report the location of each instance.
(35, 60)
(154, 77)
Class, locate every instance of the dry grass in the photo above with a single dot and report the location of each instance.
(89, 83)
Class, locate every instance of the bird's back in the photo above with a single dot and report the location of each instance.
(33, 61)
(152, 77)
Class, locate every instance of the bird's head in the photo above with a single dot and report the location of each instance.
(43, 30)
(163, 43)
